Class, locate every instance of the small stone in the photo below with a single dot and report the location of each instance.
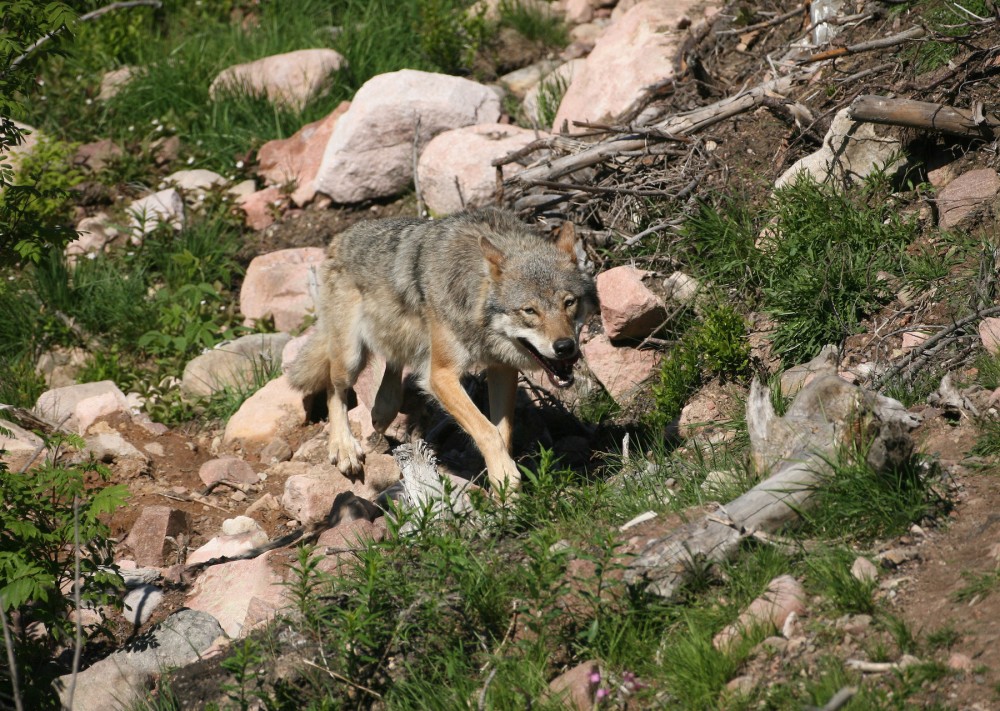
(864, 570)
(140, 603)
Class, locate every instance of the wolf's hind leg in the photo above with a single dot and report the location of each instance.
(347, 358)
(388, 399)
(502, 382)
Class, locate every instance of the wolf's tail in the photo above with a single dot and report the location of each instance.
(310, 371)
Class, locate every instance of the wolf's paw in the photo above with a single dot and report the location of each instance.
(348, 456)
(504, 476)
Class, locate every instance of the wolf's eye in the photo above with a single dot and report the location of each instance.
(528, 311)
(570, 302)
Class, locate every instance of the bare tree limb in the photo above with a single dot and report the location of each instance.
(910, 34)
(925, 115)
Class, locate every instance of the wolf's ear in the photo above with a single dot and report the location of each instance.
(494, 256)
(566, 239)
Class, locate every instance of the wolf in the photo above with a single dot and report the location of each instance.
(478, 289)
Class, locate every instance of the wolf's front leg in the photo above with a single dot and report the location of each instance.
(447, 388)
(502, 382)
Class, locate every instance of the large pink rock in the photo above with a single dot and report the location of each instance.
(989, 334)
(628, 308)
(229, 590)
(77, 407)
(636, 52)
(148, 538)
(277, 284)
(20, 448)
(370, 153)
(966, 194)
(272, 411)
(311, 488)
(297, 159)
(289, 79)
(784, 595)
(456, 171)
(227, 546)
(576, 688)
(619, 370)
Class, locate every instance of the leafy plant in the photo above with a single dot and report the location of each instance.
(45, 515)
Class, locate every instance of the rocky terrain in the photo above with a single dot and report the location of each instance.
(660, 130)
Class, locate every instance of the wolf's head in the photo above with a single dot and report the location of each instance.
(539, 301)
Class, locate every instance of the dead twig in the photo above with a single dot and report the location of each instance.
(777, 20)
(974, 123)
(344, 679)
(911, 34)
(8, 644)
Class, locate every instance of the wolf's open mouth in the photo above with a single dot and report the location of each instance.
(559, 370)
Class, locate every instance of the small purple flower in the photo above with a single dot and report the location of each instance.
(628, 677)
(595, 677)
(602, 693)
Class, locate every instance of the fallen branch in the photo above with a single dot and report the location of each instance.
(910, 34)
(975, 123)
(918, 351)
(678, 125)
(766, 23)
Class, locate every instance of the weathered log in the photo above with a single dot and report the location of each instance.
(925, 115)
(828, 413)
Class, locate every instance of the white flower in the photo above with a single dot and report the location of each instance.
(88, 102)
(190, 160)
(239, 164)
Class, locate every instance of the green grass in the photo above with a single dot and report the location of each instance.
(978, 585)
(530, 21)
(946, 19)
(830, 574)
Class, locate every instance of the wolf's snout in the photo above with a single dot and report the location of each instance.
(564, 348)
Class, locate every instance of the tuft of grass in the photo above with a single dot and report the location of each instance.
(914, 390)
(944, 18)
(978, 585)
(223, 404)
(830, 573)
(855, 502)
(551, 91)
(535, 23)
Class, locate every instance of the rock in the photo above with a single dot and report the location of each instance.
(580, 11)
(721, 481)
(370, 153)
(699, 415)
(111, 447)
(242, 189)
(743, 684)
(240, 524)
(227, 546)
(289, 80)
(234, 364)
(297, 159)
(277, 450)
(231, 468)
(967, 194)
(147, 539)
(96, 234)
(165, 150)
(628, 308)
(20, 448)
(60, 366)
(277, 285)
(851, 152)
(784, 596)
(272, 411)
(864, 570)
(520, 81)
(29, 139)
(635, 53)
(96, 155)
(681, 288)
(267, 502)
(198, 181)
(120, 680)
(912, 339)
(989, 334)
(619, 370)
(352, 534)
(549, 91)
(577, 688)
(960, 662)
(895, 557)
(381, 471)
(262, 207)
(146, 214)
(455, 170)
(113, 81)
(855, 624)
(797, 377)
(77, 407)
(140, 603)
(310, 489)
(226, 591)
